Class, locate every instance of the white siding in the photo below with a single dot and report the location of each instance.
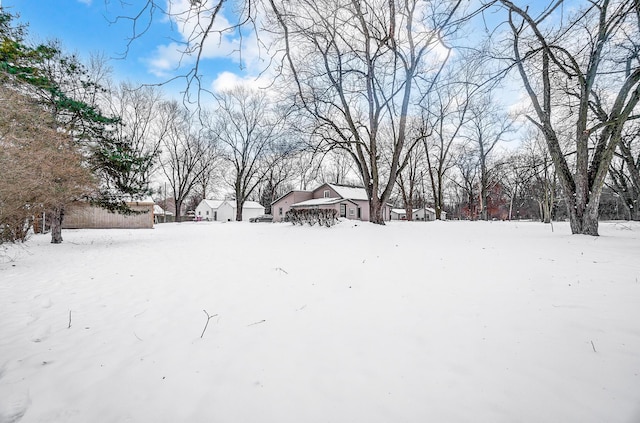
(226, 213)
(202, 209)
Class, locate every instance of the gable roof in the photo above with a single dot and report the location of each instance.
(159, 210)
(350, 193)
(250, 205)
(214, 204)
(319, 202)
(293, 191)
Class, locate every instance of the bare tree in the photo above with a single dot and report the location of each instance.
(487, 125)
(40, 167)
(308, 167)
(576, 71)
(249, 130)
(187, 152)
(625, 171)
(467, 179)
(410, 180)
(336, 167)
(359, 67)
(445, 114)
(139, 127)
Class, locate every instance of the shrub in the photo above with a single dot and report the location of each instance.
(323, 217)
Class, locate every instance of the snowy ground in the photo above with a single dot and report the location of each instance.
(410, 322)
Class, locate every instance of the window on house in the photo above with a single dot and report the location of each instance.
(207, 212)
(327, 193)
(343, 210)
(352, 212)
(199, 213)
(280, 211)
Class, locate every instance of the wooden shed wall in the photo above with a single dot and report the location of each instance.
(84, 216)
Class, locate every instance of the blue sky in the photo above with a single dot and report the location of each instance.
(90, 26)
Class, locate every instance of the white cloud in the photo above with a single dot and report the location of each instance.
(221, 43)
(87, 2)
(228, 80)
(167, 59)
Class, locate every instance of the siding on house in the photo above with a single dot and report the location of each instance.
(353, 197)
(282, 205)
(207, 209)
(225, 210)
(85, 216)
(226, 213)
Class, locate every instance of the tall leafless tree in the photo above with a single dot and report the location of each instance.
(360, 66)
(140, 127)
(581, 69)
(445, 114)
(487, 125)
(625, 171)
(187, 151)
(249, 129)
(467, 179)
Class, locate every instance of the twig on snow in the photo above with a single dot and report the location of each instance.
(257, 323)
(594, 347)
(206, 324)
(69, 320)
(282, 270)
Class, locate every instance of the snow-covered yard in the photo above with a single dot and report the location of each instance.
(410, 322)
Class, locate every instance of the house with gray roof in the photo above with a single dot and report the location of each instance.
(348, 201)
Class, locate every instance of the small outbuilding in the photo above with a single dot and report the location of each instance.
(422, 214)
(398, 214)
(82, 215)
(225, 210)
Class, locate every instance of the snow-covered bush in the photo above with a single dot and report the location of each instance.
(323, 217)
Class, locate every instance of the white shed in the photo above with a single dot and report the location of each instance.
(225, 210)
(398, 214)
(208, 209)
(429, 213)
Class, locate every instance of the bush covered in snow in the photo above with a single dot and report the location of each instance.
(326, 217)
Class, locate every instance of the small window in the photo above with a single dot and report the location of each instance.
(327, 193)
(352, 212)
(207, 212)
(199, 213)
(280, 211)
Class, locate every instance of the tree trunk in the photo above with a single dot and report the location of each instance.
(178, 204)
(57, 215)
(634, 210)
(376, 212)
(439, 199)
(408, 209)
(238, 211)
(583, 220)
(484, 196)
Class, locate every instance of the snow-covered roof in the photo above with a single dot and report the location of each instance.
(351, 193)
(213, 204)
(292, 191)
(399, 211)
(159, 210)
(429, 209)
(318, 202)
(249, 205)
